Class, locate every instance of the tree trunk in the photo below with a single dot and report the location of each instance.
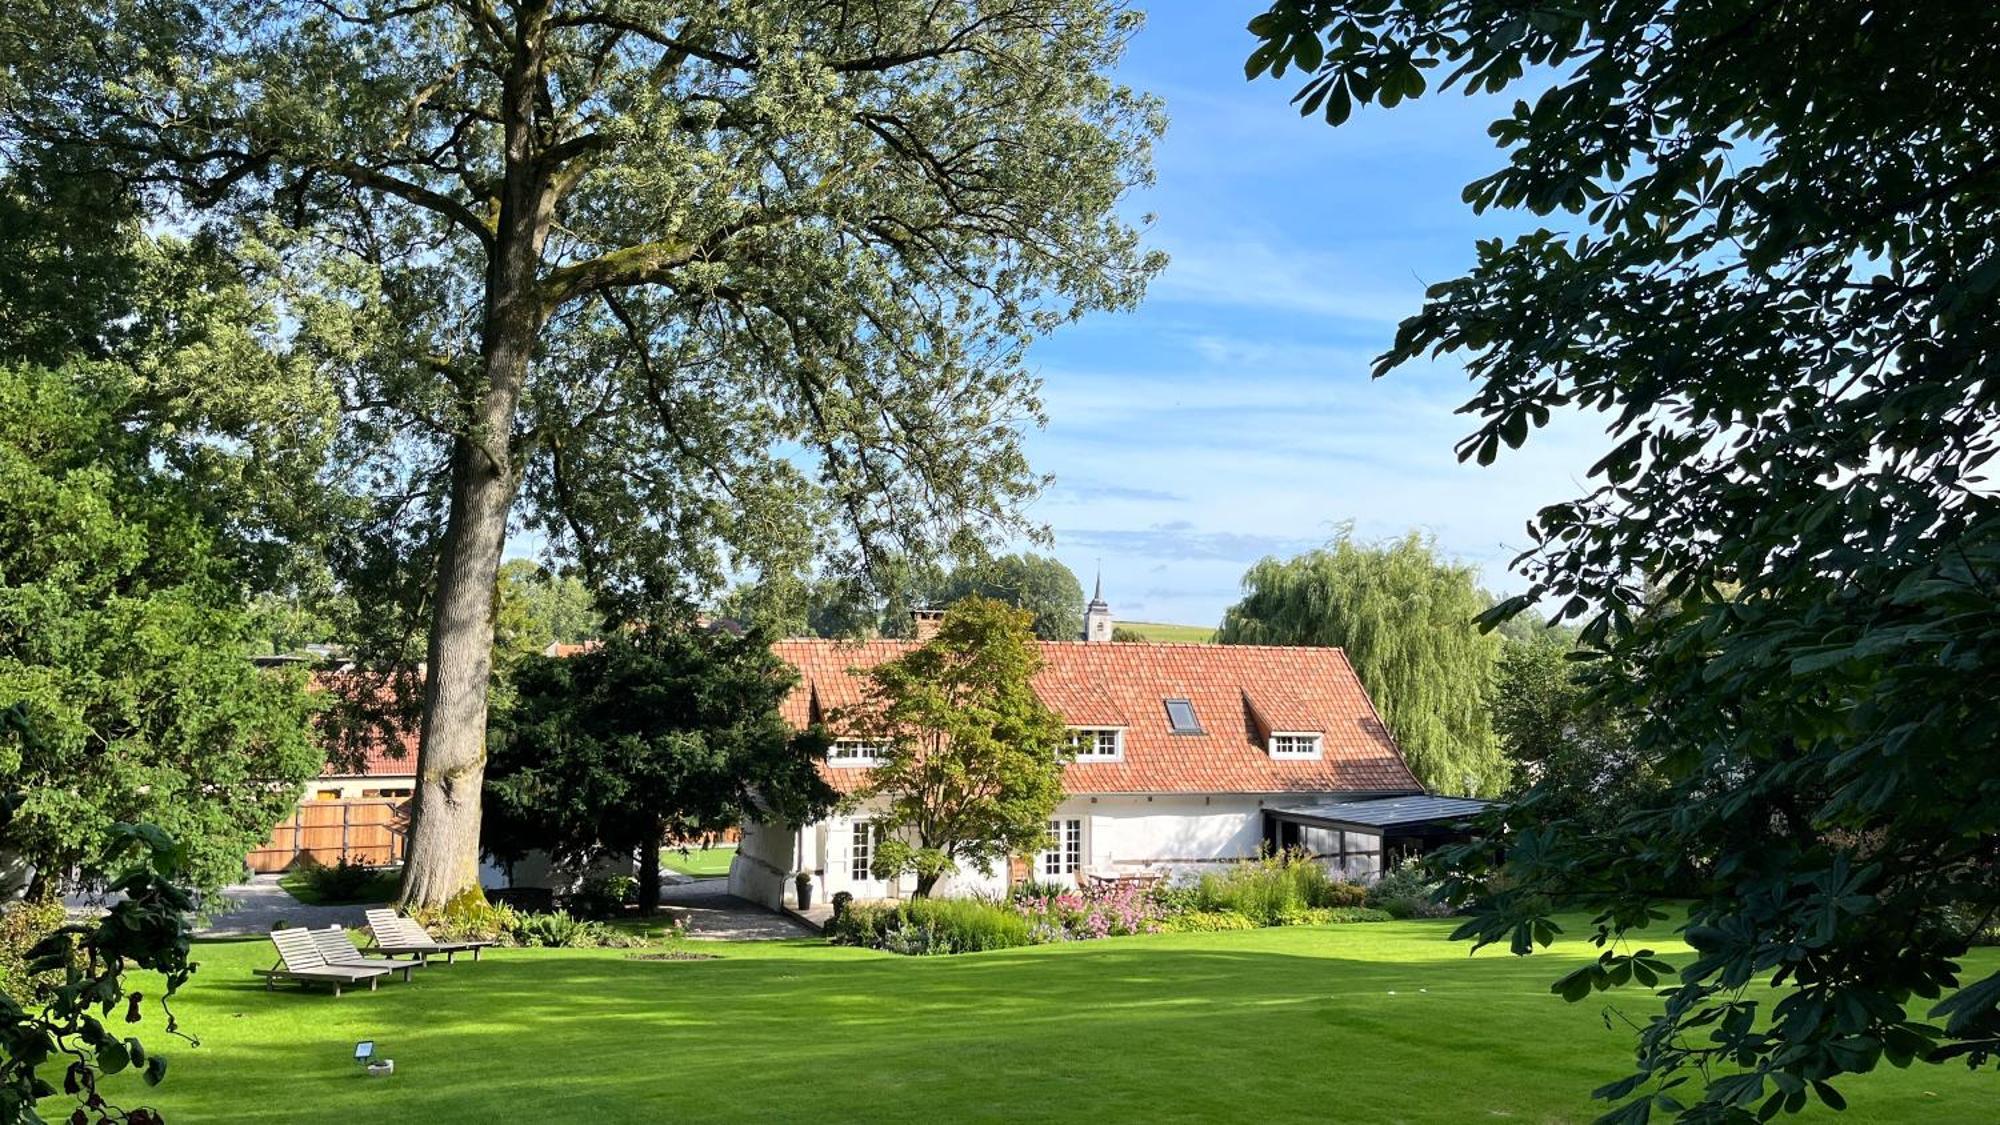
(649, 873)
(925, 883)
(443, 855)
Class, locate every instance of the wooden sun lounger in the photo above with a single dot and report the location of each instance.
(340, 953)
(395, 935)
(300, 959)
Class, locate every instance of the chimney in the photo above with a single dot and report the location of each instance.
(924, 622)
(1097, 616)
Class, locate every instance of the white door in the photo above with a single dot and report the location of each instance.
(854, 852)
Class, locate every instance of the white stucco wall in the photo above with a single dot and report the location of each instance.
(766, 859)
(1174, 835)
(354, 788)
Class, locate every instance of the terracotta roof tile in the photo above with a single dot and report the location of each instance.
(1236, 690)
(365, 749)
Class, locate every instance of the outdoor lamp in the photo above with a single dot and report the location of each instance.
(364, 1051)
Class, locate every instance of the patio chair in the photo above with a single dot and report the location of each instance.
(300, 959)
(340, 953)
(395, 935)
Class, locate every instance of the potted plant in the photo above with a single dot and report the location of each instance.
(804, 881)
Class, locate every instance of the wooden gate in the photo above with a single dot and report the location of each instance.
(368, 832)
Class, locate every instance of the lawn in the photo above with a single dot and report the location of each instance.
(1376, 1023)
(1155, 631)
(699, 862)
(380, 887)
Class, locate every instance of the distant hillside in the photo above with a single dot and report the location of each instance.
(1154, 631)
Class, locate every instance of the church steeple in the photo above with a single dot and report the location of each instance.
(1097, 615)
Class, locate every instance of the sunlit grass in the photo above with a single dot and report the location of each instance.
(700, 862)
(1379, 1023)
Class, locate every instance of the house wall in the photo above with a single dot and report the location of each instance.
(767, 857)
(356, 788)
(1178, 836)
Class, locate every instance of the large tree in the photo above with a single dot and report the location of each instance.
(1776, 276)
(1404, 615)
(972, 764)
(535, 609)
(125, 638)
(664, 732)
(157, 465)
(1040, 584)
(692, 288)
(1571, 757)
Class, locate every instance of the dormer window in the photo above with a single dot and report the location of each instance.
(856, 752)
(1180, 717)
(1096, 744)
(1295, 745)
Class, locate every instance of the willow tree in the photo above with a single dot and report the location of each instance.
(691, 288)
(1404, 615)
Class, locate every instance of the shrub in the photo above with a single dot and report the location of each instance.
(1405, 892)
(863, 924)
(930, 925)
(22, 925)
(840, 901)
(918, 941)
(559, 929)
(1208, 922)
(1175, 898)
(968, 925)
(1337, 893)
(344, 881)
(467, 916)
(1269, 889)
(600, 896)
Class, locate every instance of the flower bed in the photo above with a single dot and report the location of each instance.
(1081, 915)
(1281, 891)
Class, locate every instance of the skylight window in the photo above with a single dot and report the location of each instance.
(1180, 716)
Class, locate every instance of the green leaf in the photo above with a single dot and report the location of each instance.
(1306, 51)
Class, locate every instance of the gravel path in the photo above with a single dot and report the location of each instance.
(260, 904)
(715, 914)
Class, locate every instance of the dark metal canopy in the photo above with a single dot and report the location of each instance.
(1386, 816)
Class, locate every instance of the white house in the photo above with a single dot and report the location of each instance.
(1187, 756)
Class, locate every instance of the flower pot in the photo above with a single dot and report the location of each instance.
(805, 896)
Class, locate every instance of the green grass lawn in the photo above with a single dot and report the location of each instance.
(380, 887)
(1373, 1023)
(1154, 631)
(701, 862)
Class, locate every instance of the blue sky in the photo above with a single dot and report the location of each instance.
(1233, 415)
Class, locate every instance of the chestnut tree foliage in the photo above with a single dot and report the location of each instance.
(687, 288)
(1772, 265)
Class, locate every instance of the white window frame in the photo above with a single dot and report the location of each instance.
(1286, 745)
(1065, 858)
(861, 840)
(1088, 744)
(854, 753)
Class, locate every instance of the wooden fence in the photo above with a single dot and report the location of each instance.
(367, 831)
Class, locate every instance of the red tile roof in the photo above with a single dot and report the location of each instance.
(357, 747)
(1296, 690)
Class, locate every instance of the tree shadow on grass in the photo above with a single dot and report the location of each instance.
(1115, 1031)
(1256, 1026)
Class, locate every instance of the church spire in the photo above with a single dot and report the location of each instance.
(1097, 615)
